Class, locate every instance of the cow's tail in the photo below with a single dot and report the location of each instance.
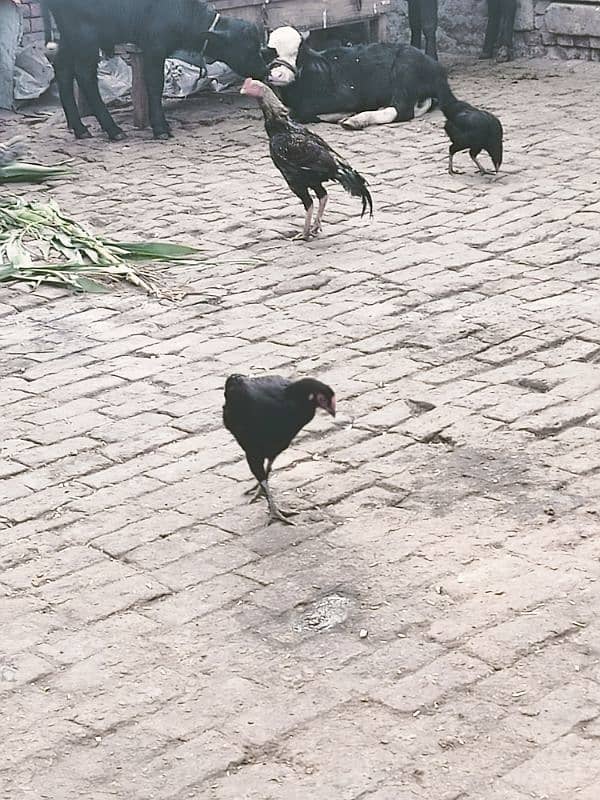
(445, 97)
(51, 45)
(354, 183)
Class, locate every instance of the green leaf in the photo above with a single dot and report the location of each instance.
(43, 245)
(20, 171)
(156, 250)
(89, 285)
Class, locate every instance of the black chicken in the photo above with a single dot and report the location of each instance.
(264, 414)
(304, 159)
(472, 129)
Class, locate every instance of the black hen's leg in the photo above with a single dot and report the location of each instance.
(257, 490)
(322, 195)
(261, 474)
(453, 150)
(480, 167)
(276, 513)
(257, 468)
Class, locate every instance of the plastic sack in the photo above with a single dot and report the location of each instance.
(183, 79)
(222, 75)
(33, 73)
(114, 79)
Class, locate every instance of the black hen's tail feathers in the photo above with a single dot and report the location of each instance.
(354, 183)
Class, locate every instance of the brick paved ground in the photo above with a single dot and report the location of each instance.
(158, 640)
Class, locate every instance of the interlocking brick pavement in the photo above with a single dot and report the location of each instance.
(158, 640)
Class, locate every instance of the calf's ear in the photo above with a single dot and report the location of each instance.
(268, 54)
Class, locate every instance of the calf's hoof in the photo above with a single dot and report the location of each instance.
(82, 133)
(163, 135)
(485, 54)
(352, 125)
(117, 136)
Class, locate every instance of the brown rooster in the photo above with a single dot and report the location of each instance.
(304, 159)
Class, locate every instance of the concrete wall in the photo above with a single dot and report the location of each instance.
(542, 27)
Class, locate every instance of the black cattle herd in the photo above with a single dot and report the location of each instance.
(355, 86)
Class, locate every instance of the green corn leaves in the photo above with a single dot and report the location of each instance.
(40, 244)
(21, 172)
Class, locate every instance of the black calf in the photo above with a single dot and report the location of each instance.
(158, 28)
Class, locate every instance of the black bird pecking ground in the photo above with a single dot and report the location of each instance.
(472, 129)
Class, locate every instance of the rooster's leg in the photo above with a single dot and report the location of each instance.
(307, 221)
(322, 195)
(305, 235)
(307, 202)
(276, 513)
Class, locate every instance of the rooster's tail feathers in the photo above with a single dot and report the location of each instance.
(354, 183)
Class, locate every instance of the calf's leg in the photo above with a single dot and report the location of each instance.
(331, 117)
(382, 116)
(422, 108)
(65, 75)
(86, 73)
(154, 74)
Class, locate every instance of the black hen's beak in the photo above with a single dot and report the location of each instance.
(327, 404)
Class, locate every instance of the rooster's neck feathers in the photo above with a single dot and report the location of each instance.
(275, 113)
